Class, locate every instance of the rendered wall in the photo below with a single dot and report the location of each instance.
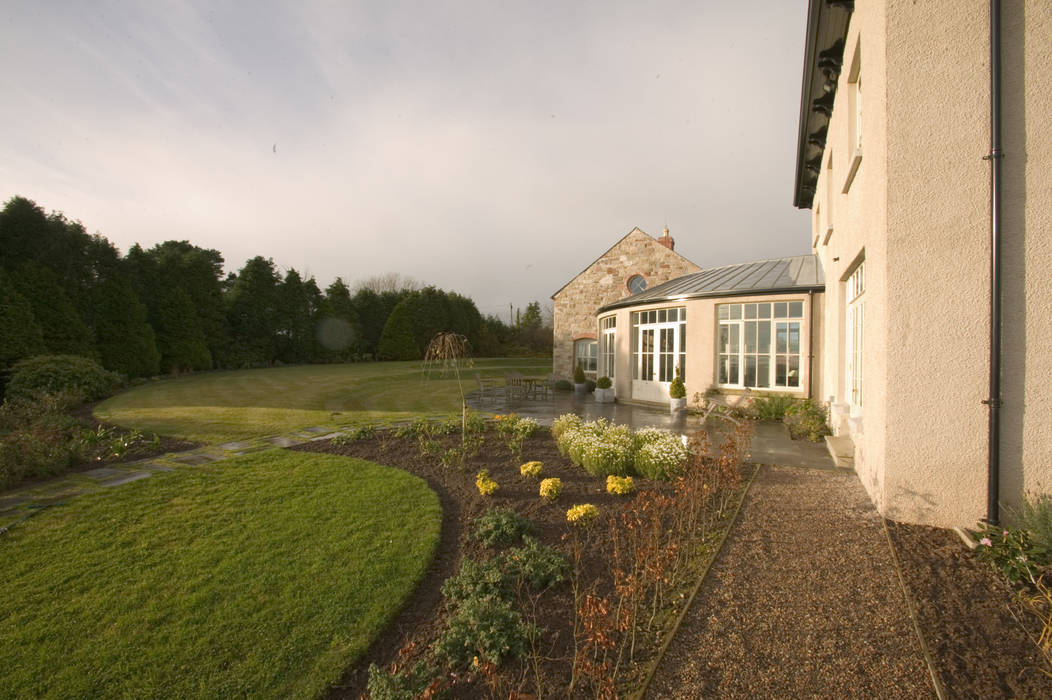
(604, 282)
(919, 208)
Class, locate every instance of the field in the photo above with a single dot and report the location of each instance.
(221, 406)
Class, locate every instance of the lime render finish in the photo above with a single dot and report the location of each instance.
(918, 211)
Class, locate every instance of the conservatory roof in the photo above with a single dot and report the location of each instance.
(801, 273)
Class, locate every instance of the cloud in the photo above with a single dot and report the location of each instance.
(488, 148)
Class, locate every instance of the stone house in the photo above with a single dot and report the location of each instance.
(631, 265)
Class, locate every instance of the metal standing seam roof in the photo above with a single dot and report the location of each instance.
(800, 273)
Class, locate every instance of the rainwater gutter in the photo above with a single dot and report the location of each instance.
(995, 157)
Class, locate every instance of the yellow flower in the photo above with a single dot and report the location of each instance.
(531, 469)
(484, 484)
(551, 488)
(620, 485)
(582, 514)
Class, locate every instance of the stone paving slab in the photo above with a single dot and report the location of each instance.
(127, 478)
(156, 466)
(236, 445)
(195, 459)
(282, 441)
(102, 473)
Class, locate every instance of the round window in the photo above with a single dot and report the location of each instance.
(636, 284)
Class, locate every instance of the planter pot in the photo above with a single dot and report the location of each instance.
(580, 389)
(677, 405)
(604, 395)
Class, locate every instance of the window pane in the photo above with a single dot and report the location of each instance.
(736, 311)
(782, 338)
(794, 337)
(664, 369)
(763, 371)
(733, 371)
(652, 317)
(763, 340)
(779, 370)
(796, 309)
(667, 338)
(750, 311)
(781, 309)
(725, 335)
(763, 310)
(682, 337)
(662, 315)
(750, 336)
(724, 312)
(794, 371)
(735, 341)
(750, 370)
(682, 367)
(722, 379)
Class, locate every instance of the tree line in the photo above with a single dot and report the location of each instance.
(170, 309)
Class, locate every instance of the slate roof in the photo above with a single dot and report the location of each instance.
(800, 273)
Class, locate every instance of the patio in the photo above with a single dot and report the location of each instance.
(771, 443)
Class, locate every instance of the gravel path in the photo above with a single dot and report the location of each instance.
(803, 601)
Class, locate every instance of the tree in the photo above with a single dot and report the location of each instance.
(63, 330)
(337, 325)
(179, 335)
(388, 282)
(399, 339)
(298, 304)
(125, 340)
(253, 313)
(20, 335)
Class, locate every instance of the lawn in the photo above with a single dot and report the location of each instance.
(262, 576)
(232, 405)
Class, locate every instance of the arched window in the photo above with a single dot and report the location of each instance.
(585, 353)
(636, 284)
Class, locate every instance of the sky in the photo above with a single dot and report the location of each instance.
(491, 148)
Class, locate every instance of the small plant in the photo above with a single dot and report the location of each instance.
(1008, 550)
(538, 566)
(1035, 517)
(563, 385)
(603, 383)
(551, 488)
(770, 407)
(583, 514)
(515, 430)
(483, 628)
(620, 485)
(484, 579)
(676, 389)
(660, 454)
(531, 470)
(501, 527)
(578, 374)
(564, 423)
(485, 485)
(400, 684)
(806, 419)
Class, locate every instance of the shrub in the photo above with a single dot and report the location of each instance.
(603, 383)
(604, 450)
(770, 407)
(551, 488)
(483, 579)
(565, 422)
(485, 485)
(676, 389)
(806, 419)
(620, 485)
(539, 566)
(563, 385)
(531, 470)
(501, 527)
(34, 377)
(659, 453)
(583, 514)
(1009, 551)
(578, 374)
(589, 386)
(486, 628)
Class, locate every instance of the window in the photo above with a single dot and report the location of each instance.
(758, 345)
(607, 336)
(585, 354)
(636, 284)
(855, 287)
(659, 344)
(854, 116)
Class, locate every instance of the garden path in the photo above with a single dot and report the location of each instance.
(804, 600)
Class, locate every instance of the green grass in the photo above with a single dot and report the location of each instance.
(220, 406)
(261, 576)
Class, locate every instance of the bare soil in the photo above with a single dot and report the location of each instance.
(981, 639)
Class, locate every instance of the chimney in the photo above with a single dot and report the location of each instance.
(667, 240)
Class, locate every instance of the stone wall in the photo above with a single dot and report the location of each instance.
(606, 281)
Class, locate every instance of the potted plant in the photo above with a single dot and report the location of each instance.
(604, 390)
(677, 393)
(580, 384)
